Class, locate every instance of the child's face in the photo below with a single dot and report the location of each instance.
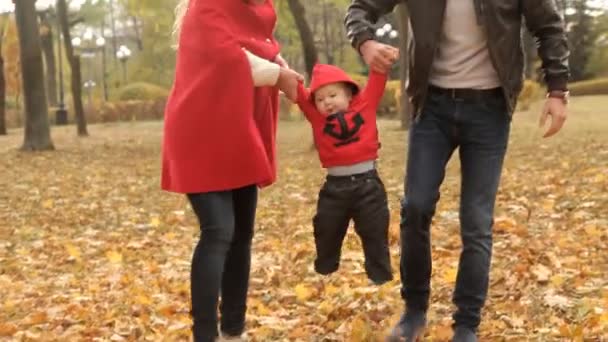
(332, 98)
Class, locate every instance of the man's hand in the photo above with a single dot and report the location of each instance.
(556, 108)
(288, 83)
(378, 56)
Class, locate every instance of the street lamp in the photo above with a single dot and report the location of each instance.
(101, 44)
(61, 114)
(88, 45)
(89, 85)
(123, 55)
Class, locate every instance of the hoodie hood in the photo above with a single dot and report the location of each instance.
(324, 74)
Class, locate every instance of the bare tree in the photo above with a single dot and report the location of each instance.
(308, 42)
(329, 53)
(46, 39)
(37, 130)
(74, 61)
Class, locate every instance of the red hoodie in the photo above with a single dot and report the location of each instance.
(219, 131)
(344, 138)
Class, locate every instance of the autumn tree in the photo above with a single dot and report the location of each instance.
(308, 41)
(46, 39)
(581, 38)
(37, 130)
(74, 62)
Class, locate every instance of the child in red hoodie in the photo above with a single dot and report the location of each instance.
(343, 120)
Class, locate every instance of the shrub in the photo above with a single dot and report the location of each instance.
(390, 99)
(141, 91)
(592, 87)
(129, 111)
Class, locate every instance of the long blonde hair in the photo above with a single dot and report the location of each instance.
(180, 12)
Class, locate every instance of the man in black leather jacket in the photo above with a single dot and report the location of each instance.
(466, 71)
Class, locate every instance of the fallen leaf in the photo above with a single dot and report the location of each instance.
(303, 292)
(114, 257)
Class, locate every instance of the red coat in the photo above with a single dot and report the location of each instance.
(344, 138)
(219, 131)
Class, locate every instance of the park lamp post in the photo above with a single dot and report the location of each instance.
(89, 85)
(89, 44)
(61, 114)
(123, 55)
(101, 44)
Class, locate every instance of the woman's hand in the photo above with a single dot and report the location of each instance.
(281, 61)
(288, 83)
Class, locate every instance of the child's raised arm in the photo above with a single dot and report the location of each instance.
(304, 102)
(374, 89)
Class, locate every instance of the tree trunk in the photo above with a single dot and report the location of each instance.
(2, 95)
(37, 129)
(138, 39)
(308, 42)
(405, 108)
(46, 38)
(81, 121)
(74, 61)
(329, 53)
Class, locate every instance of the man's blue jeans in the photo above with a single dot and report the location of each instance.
(480, 129)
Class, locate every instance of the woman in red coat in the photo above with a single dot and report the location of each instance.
(219, 144)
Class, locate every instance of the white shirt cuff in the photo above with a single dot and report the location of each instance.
(264, 72)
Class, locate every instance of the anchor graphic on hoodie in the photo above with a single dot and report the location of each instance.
(341, 130)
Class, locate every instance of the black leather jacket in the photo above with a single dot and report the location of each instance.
(502, 20)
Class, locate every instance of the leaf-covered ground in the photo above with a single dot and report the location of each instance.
(91, 249)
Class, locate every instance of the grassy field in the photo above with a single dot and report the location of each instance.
(91, 249)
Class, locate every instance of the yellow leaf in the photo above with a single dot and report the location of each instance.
(505, 224)
(603, 322)
(592, 231)
(38, 318)
(360, 330)
(7, 329)
(443, 333)
(114, 257)
(331, 290)
(143, 299)
(303, 292)
(298, 333)
(155, 222)
(48, 204)
(73, 251)
(263, 333)
(450, 275)
(548, 204)
(326, 307)
(168, 310)
(564, 330)
(557, 280)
